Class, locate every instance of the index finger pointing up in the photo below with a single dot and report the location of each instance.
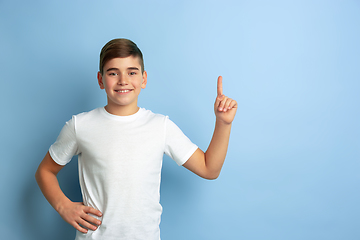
(219, 86)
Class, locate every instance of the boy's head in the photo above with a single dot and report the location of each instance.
(120, 48)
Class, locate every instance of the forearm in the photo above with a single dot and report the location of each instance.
(74, 213)
(49, 186)
(216, 152)
(208, 165)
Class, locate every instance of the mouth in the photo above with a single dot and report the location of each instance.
(123, 90)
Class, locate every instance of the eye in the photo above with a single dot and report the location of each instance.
(113, 74)
(132, 73)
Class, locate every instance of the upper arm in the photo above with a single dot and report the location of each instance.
(197, 164)
(49, 165)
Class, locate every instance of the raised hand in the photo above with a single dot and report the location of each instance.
(225, 108)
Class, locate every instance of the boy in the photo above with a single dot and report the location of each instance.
(120, 149)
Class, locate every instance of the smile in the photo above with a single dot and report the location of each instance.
(123, 91)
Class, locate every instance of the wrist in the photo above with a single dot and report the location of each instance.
(61, 204)
(222, 122)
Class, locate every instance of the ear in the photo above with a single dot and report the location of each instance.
(100, 80)
(144, 76)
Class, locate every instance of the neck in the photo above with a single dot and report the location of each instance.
(121, 110)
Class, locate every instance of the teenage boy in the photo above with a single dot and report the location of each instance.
(120, 149)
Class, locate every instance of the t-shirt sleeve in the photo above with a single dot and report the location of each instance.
(177, 145)
(65, 146)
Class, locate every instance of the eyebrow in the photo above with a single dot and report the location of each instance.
(116, 69)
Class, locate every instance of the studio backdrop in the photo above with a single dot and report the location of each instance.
(292, 168)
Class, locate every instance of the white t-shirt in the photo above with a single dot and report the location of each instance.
(120, 160)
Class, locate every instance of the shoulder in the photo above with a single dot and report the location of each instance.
(89, 114)
(84, 117)
(153, 116)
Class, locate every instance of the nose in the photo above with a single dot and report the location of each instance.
(122, 80)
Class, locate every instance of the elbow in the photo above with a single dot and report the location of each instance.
(212, 176)
(37, 175)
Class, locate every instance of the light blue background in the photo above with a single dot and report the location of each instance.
(292, 170)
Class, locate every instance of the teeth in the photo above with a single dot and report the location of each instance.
(122, 91)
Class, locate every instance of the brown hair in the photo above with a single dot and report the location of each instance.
(120, 48)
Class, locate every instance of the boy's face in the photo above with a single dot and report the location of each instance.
(122, 80)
